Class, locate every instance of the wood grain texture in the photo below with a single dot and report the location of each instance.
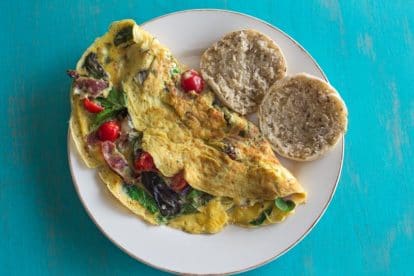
(366, 49)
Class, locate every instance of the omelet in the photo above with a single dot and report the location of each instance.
(172, 156)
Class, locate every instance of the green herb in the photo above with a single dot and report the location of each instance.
(104, 116)
(161, 219)
(194, 194)
(115, 98)
(137, 142)
(284, 205)
(227, 116)
(123, 36)
(194, 200)
(175, 71)
(114, 103)
(198, 198)
(140, 195)
(262, 217)
(188, 208)
(93, 67)
(104, 102)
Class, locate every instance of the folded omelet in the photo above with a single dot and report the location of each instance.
(230, 174)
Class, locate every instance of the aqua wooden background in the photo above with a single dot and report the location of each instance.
(366, 49)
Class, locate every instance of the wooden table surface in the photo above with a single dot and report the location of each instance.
(366, 48)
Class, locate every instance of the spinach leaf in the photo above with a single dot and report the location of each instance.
(194, 194)
(168, 201)
(114, 103)
(284, 205)
(115, 98)
(104, 102)
(194, 200)
(188, 208)
(262, 217)
(198, 198)
(161, 219)
(123, 36)
(106, 115)
(140, 195)
(93, 67)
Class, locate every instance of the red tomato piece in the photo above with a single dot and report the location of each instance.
(192, 81)
(91, 106)
(178, 182)
(109, 131)
(144, 162)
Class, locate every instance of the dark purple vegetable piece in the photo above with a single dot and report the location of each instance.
(186, 190)
(168, 200)
(93, 67)
(230, 150)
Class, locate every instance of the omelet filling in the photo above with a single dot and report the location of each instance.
(225, 170)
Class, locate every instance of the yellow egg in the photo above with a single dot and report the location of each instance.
(219, 152)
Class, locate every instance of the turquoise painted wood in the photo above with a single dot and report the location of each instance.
(365, 47)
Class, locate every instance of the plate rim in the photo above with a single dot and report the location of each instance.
(284, 251)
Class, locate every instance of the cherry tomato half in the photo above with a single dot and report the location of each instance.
(178, 182)
(192, 81)
(91, 106)
(144, 162)
(109, 131)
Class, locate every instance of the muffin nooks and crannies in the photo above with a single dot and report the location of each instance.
(303, 117)
(241, 67)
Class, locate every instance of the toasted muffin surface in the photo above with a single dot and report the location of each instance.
(303, 117)
(241, 67)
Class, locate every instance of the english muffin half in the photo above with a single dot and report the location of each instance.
(241, 67)
(303, 117)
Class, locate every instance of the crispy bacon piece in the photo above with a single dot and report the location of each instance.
(89, 86)
(117, 162)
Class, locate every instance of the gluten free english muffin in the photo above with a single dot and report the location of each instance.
(303, 117)
(241, 67)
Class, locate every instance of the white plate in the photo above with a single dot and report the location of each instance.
(235, 249)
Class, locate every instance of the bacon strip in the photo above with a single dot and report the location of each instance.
(117, 162)
(91, 87)
(92, 139)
